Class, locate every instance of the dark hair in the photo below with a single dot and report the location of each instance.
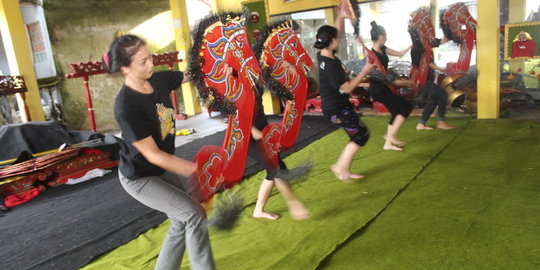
(121, 51)
(324, 36)
(376, 30)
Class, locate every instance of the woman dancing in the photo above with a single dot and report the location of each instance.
(379, 91)
(144, 111)
(437, 97)
(335, 87)
(297, 209)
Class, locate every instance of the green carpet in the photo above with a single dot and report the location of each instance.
(476, 206)
(452, 198)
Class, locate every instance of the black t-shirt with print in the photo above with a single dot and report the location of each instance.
(331, 76)
(141, 115)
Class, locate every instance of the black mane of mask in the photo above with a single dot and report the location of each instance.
(415, 38)
(275, 87)
(216, 101)
(357, 14)
(446, 29)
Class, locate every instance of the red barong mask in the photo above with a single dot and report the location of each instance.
(422, 35)
(285, 65)
(225, 73)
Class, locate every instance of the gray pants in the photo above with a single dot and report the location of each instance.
(188, 220)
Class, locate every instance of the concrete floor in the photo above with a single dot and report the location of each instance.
(202, 124)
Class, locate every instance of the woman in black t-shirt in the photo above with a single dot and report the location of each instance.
(148, 168)
(335, 88)
(379, 91)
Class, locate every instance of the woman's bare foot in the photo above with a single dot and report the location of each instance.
(356, 176)
(394, 141)
(262, 214)
(390, 146)
(297, 210)
(340, 174)
(444, 125)
(423, 127)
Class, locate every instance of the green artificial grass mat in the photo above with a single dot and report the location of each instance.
(339, 210)
(476, 206)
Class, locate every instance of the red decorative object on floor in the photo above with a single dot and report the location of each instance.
(20, 182)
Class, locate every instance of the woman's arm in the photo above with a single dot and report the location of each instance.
(349, 86)
(397, 53)
(341, 16)
(435, 67)
(403, 83)
(435, 42)
(164, 160)
(340, 25)
(187, 76)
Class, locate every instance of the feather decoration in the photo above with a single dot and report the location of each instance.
(415, 38)
(357, 14)
(462, 82)
(295, 173)
(378, 76)
(228, 209)
(446, 29)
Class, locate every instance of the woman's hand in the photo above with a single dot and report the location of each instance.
(256, 133)
(435, 67)
(191, 167)
(345, 11)
(187, 77)
(368, 67)
(148, 148)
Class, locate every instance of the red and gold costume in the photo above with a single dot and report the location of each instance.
(285, 66)
(422, 35)
(459, 26)
(221, 42)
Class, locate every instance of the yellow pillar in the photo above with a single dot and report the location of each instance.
(488, 48)
(271, 104)
(19, 56)
(516, 13)
(183, 45)
(330, 16)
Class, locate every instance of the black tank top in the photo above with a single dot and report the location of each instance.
(376, 87)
